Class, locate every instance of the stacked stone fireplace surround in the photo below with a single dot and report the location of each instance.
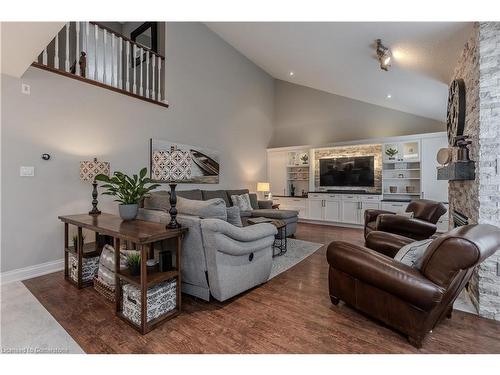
(479, 200)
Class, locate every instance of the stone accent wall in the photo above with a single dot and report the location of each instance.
(463, 195)
(479, 67)
(487, 275)
(348, 151)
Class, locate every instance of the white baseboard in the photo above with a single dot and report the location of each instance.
(31, 271)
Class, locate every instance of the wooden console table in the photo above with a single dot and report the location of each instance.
(143, 234)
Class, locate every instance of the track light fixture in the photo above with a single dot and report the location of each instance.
(384, 55)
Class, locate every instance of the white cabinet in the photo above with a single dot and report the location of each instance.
(350, 212)
(331, 210)
(290, 203)
(315, 208)
(277, 162)
(432, 188)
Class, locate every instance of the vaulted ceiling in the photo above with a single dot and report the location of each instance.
(339, 57)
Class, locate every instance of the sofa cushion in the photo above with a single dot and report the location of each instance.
(211, 194)
(254, 201)
(157, 200)
(235, 192)
(213, 208)
(242, 202)
(275, 214)
(412, 253)
(233, 216)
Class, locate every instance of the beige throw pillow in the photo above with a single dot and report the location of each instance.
(209, 209)
(242, 202)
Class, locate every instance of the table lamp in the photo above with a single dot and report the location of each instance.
(89, 169)
(264, 187)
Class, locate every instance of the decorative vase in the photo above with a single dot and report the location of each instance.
(393, 189)
(135, 269)
(128, 211)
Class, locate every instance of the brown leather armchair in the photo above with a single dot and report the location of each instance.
(426, 214)
(411, 300)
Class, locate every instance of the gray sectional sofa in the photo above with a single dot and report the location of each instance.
(261, 208)
(219, 259)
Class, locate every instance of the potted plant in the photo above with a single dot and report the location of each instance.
(128, 190)
(75, 241)
(304, 158)
(391, 152)
(134, 263)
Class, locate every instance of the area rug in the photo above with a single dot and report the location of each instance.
(297, 251)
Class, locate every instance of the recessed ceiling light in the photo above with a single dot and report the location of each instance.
(389, 96)
(291, 74)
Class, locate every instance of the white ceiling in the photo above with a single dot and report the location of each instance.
(340, 58)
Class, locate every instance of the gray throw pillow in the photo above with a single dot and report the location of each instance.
(233, 216)
(242, 202)
(157, 200)
(254, 202)
(412, 253)
(211, 209)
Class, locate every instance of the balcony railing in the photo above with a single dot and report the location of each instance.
(93, 53)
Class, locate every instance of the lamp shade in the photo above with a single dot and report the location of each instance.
(263, 186)
(91, 168)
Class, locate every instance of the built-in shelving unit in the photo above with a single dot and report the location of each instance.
(297, 171)
(401, 177)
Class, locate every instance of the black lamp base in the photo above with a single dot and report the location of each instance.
(94, 210)
(173, 211)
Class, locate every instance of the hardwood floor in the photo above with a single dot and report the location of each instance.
(291, 313)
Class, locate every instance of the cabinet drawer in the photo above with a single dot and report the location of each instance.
(331, 197)
(295, 202)
(315, 196)
(351, 198)
(371, 198)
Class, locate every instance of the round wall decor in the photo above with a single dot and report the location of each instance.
(444, 156)
(455, 118)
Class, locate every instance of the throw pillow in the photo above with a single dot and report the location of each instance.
(210, 209)
(242, 202)
(157, 200)
(233, 216)
(411, 254)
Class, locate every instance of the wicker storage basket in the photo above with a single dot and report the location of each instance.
(90, 266)
(105, 290)
(161, 299)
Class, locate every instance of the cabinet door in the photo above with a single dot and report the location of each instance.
(394, 207)
(432, 188)
(350, 212)
(332, 210)
(315, 209)
(276, 171)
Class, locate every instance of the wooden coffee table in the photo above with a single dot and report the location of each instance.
(143, 235)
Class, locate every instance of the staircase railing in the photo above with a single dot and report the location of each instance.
(98, 55)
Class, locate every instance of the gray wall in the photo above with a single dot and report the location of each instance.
(307, 116)
(218, 98)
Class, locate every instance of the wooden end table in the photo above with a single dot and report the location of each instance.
(143, 235)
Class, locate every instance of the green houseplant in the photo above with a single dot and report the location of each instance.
(134, 263)
(127, 190)
(391, 152)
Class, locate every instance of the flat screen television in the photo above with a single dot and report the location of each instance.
(349, 171)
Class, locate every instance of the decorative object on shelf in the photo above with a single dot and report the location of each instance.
(134, 263)
(89, 170)
(292, 190)
(391, 152)
(179, 163)
(464, 168)
(444, 156)
(410, 189)
(75, 241)
(304, 158)
(455, 118)
(401, 175)
(46, 157)
(129, 191)
(165, 263)
(304, 194)
(463, 143)
(384, 55)
(393, 189)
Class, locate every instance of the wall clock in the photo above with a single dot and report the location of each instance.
(455, 118)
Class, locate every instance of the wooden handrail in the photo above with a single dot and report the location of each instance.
(126, 38)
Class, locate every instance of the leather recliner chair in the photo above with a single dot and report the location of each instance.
(422, 225)
(411, 300)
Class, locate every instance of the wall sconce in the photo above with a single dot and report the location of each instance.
(384, 55)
